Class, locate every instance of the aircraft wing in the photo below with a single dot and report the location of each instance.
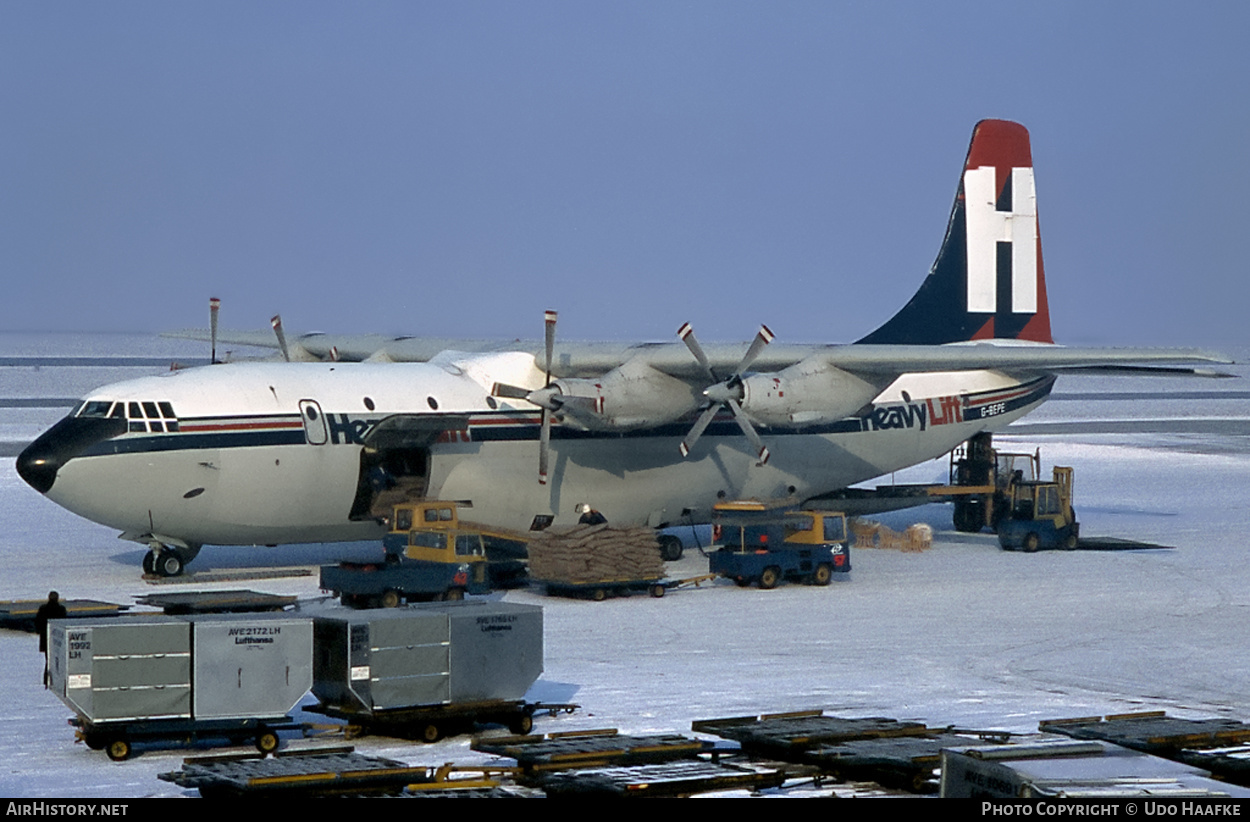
(588, 359)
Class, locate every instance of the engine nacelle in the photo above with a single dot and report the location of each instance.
(807, 393)
(631, 396)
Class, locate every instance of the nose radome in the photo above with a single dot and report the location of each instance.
(38, 464)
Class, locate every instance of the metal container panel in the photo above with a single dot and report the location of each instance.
(132, 667)
(250, 666)
(496, 650)
(430, 654)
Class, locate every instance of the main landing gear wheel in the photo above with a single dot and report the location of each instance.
(670, 548)
(169, 563)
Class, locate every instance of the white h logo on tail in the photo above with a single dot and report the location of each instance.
(987, 227)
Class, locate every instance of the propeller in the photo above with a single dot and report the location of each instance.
(276, 322)
(549, 398)
(214, 305)
(544, 436)
(728, 393)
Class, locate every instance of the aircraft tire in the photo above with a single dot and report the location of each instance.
(169, 563)
(670, 548)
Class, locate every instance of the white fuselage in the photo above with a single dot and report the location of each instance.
(267, 453)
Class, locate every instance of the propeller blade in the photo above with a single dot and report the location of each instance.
(276, 322)
(687, 336)
(700, 424)
(748, 430)
(549, 319)
(544, 447)
(214, 305)
(763, 338)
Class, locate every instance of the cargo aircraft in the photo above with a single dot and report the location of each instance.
(527, 434)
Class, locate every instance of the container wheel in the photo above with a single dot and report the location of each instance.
(430, 732)
(1031, 543)
(822, 575)
(657, 591)
(599, 595)
(118, 749)
(391, 598)
(522, 723)
(770, 577)
(266, 742)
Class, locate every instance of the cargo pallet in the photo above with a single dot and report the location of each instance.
(19, 614)
(1221, 746)
(319, 772)
(681, 778)
(216, 602)
(430, 723)
(894, 754)
(590, 749)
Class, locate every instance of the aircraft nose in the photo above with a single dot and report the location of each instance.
(37, 464)
(40, 461)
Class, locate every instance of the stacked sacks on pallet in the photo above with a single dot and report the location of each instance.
(595, 553)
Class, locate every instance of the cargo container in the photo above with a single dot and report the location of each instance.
(421, 670)
(151, 677)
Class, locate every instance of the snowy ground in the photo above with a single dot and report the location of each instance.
(962, 634)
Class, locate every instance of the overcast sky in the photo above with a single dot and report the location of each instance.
(454, 168)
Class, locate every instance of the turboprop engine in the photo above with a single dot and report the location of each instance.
(635, 395)
(809, 392)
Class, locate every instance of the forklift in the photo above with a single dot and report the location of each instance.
(1041, 515)
(982, 480)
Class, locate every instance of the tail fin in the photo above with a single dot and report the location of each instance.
(987, 281)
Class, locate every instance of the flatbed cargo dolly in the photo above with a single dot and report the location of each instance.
(430, 723)
(601, 589)
(117, 739)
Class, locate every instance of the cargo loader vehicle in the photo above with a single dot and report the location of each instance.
(767, 547)
(428, 555)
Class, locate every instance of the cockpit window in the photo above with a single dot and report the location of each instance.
(95, 408)
(156, 417)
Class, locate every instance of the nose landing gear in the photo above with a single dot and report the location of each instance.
(167, 560)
